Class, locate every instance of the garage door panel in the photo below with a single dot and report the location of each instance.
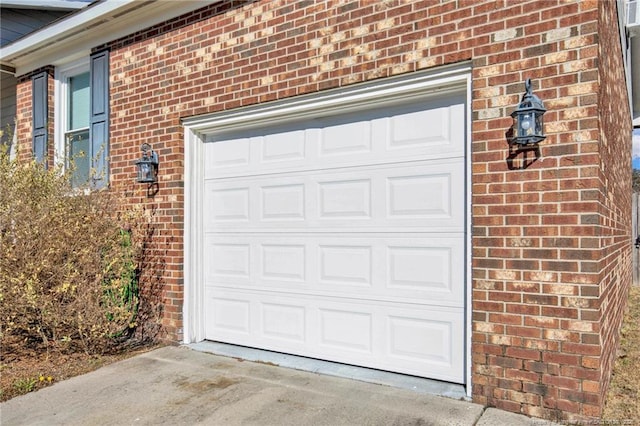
(422, 270)
(393, 135)
(283, 322)
(346, 330)
(431, 128)
(343, 139)
(283, 262)
(284, 202)
(231, 204)
(345, 198)
(228, 260)
(280, 147)
(427, 194)
(232, 154)
(345, 265)
(229, 315)
(413, 341)
(342, 237)
(424, 339)
(421, 195)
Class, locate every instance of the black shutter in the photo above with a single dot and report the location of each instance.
(99, 120)
(40, 112)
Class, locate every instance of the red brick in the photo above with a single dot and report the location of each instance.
(522, 353)
(561, 382)
(560, 358)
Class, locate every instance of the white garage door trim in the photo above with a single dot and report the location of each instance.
(386, 92)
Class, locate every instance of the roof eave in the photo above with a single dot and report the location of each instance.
(45, 4)
(99, 23)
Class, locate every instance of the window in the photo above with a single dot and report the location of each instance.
(76, 133)
(82, 126)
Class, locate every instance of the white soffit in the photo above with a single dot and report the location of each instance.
(97, 24)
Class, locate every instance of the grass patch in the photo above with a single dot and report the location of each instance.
(623, 397)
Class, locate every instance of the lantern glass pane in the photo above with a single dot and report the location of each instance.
(539, 122)
(526, 124)
(144, 172)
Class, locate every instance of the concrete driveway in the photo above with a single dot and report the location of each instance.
(181, 386)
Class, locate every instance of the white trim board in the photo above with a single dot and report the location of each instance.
(468, 254)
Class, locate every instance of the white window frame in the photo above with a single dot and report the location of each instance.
(61, 105)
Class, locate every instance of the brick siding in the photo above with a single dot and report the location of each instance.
(24, 116)
(551, 232)
(615, 194)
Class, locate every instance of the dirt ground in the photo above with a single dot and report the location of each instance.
(25, 370)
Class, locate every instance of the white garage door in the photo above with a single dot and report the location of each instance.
(342, 238)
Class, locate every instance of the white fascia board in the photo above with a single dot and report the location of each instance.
(59, 29)
(635, 80)
(97, 24)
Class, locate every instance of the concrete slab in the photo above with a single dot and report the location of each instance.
(416, 384)
(495, 417)
(180, 386)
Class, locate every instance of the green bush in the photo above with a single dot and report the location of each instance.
(68, 268)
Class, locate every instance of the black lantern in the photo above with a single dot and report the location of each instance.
(147, 165)
(527, 119)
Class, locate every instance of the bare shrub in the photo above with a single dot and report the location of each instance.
(69, 262)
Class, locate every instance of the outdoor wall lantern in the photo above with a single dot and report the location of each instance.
(147, 165)
(527, 119)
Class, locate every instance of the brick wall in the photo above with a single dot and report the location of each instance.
(24, 119)
(550, 232)
(615, 196)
